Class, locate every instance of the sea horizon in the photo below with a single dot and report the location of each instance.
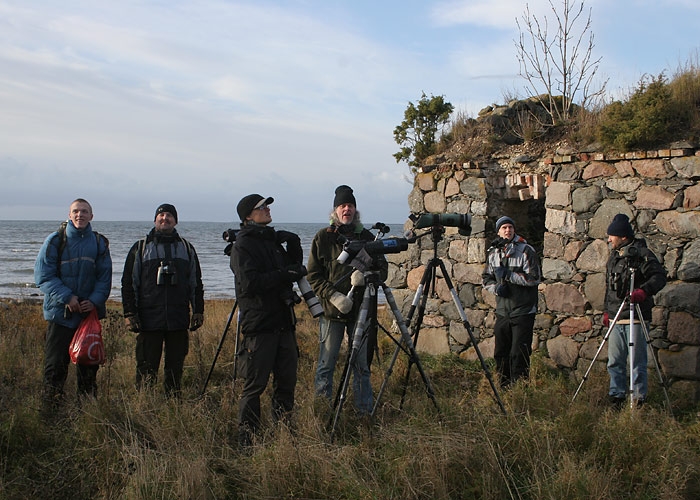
(24, 238)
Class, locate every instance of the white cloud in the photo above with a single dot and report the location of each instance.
(203, 101)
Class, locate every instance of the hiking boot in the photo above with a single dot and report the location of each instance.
(616, 403)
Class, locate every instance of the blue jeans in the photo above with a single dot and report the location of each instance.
(618, 347)
(331, 333)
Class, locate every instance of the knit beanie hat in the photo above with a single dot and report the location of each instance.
(166, 207)
(343, 194)
(620, 226)
(250, 203)
(504, 220)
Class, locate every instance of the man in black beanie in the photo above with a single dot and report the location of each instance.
(161, 282)
(332, 282)
(629, 258)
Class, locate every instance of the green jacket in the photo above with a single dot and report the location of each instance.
(327, 275)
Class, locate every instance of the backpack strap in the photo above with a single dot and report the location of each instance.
(63, 241)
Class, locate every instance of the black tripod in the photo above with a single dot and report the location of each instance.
(218, 349)
(420, 300)
(633, 309)
(366, 321)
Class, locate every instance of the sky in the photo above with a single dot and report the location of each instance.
(198, 103)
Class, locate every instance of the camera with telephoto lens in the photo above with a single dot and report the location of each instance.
(167, 274)
(307, 293)
(229, 236)
(461, 221)
(377, 247)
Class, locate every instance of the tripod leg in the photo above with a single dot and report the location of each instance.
(659, 373)
(408, 343)
(600, 348)
(631, 346)
(357, 340)
(465, 322)
(235, 347)
(422, 293)
(218, 349)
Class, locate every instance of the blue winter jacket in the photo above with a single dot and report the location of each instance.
(86, 271)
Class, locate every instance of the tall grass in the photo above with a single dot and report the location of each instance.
(139, 445)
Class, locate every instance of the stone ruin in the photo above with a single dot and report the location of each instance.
(562, 204)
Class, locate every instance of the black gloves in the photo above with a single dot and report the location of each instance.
(501, 274)
(197, 321)
(132, 323)
(503, 290)
(294, 272)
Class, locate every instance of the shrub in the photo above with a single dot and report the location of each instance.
(651, 116)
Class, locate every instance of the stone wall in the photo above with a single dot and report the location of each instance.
(562, 205)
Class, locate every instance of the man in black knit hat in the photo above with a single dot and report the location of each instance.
(332, 282)
(162, 281)
(629, 258)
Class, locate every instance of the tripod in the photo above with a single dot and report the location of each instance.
(633, 309)
(366, 320)
(218, 349)
(420, 300)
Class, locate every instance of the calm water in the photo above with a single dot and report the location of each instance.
(21, 241)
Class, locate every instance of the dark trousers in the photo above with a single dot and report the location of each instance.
(259, 356)
(56, 361)
(149, 350)
(513, 347)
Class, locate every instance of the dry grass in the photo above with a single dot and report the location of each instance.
(138, 445)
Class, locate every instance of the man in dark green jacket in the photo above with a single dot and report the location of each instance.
(332, 282)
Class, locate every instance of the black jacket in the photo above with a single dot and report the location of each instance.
(164, 306)
(649, 275)
(263, 289)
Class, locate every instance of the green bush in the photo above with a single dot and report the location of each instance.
(417, 133)
(650, 117)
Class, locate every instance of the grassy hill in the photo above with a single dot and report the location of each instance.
(139, 445)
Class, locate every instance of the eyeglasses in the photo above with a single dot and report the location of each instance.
(261, 207)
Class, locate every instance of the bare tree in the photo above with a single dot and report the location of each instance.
(558, 67)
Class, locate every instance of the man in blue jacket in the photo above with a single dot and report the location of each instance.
(74, 271)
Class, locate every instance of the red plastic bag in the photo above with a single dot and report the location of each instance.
(87, 347)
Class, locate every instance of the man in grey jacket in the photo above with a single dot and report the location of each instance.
(512, 273)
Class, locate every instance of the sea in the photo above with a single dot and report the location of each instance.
(22, 240)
